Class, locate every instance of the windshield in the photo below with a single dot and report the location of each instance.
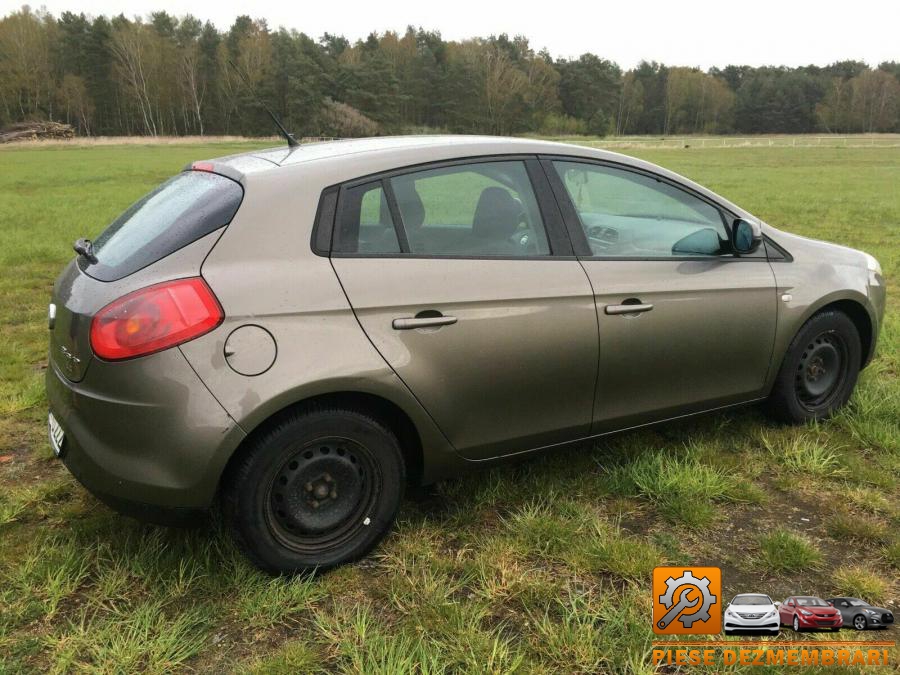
(858, 603)
(812, 602)
(751, 600)
(178, 212)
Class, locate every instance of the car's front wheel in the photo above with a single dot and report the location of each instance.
(317, 489)
(796, 624)
(859, 622)
(819, 370)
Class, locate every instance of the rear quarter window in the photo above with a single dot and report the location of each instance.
(183, 209)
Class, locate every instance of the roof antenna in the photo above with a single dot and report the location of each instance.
(291, 141)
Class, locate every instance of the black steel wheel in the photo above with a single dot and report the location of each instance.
(317, 489)
(819, 369)
(319, 495)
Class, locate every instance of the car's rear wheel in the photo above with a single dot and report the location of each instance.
(859, 622)
(317, 489)
(819, 370)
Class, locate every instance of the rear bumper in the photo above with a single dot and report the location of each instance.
(145, 436)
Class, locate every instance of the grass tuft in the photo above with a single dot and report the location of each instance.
(859, 582)
(845, 526)
(608, 549)
(804, 453)
(783, 551)
(684, 489)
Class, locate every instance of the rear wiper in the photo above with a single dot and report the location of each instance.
(85, 248)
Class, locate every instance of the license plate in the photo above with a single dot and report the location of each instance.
(57, 435)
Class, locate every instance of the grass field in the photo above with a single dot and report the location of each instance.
(542, 567)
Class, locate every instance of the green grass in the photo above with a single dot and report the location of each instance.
(859, 582)
(783, 551)
(541, 567)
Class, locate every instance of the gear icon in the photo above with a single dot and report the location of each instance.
(689, 580)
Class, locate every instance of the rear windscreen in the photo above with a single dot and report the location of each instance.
(178, 212)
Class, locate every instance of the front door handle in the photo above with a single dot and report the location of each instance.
(423, 322)
(635, 308)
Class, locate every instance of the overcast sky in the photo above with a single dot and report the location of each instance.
(691, 33)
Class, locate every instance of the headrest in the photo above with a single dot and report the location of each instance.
(410, 203)
(497, 214)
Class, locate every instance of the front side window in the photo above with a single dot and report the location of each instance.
(479, 209)
(630, 215)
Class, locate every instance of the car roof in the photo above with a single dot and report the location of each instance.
(358, 157)
(461, 146)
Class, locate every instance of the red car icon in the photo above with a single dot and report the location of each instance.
(806, 612)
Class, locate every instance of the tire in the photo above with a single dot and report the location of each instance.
(796, 624)
(859, 622)
(819, 370)
(318, 489)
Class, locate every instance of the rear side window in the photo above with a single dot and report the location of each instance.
(178, 212)
(366, 225)
(479, 209)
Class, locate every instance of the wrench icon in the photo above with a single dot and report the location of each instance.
(682, 604)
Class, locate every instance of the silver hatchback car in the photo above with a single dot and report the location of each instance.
(303, 332)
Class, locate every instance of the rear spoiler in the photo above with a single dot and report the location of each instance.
(235, 167)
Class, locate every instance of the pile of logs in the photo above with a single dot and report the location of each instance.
(36, 131)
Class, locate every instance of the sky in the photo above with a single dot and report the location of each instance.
(701, 33)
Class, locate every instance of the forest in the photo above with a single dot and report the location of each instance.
(167, 75)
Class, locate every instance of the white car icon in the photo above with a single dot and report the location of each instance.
(751, 611)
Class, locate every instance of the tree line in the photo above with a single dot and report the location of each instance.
(166, 75)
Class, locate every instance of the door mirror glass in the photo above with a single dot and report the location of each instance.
(745, 236)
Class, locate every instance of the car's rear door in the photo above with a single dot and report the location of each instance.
(462, 276)
(684, 324)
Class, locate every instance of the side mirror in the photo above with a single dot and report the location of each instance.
(777, 604)
(745, 236)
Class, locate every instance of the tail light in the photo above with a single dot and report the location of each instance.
(155, 318)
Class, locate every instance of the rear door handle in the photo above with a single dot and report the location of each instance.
(628, 309)
(423, 322)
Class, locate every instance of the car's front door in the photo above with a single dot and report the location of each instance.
(684, 324)
(786, 611)
(463, 278)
